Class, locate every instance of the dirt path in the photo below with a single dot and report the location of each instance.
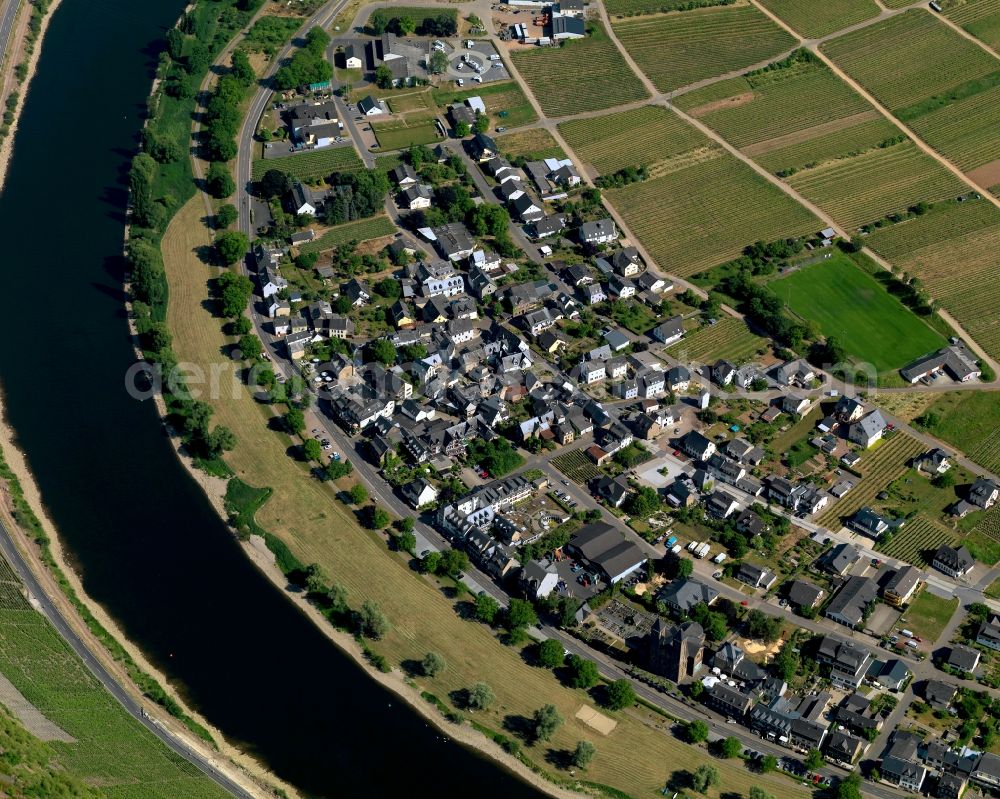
(29, 715)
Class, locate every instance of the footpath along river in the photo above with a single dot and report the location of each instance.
(147, 543)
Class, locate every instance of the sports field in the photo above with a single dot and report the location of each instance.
(312, 164)
(632, 138)
(952, 250)
(942, 85)
(682, 48)
(305, 514)
(850, 305)
(111, 749)
(583, 75)
(705, 213)
(813, 19)
(981, 18)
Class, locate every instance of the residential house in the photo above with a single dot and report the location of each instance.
(804, 594)
(795, 373)
(868, 522)
(721, 505)
(678, 378)
(953, 562)
(626, 262)
(848, 661)
(934, 461)
(989, 634)
(983, 493)
(602, 231)
(842, 747)
(370, 107)
(729, 701)
(840, 558)
(755, 576)
(851, 605)
(539, 578)
(907, 775)
(414, 197)
(682, 595)
(867, 430)
(697, 446)
(453, 241)
(404, 176)
(419, 492)
(549, 226)
(901, 586)
(357, 292)
(484, 147)
(669, 331)
(964, 658)
(955, 361)
(940, 694)
(613, 489)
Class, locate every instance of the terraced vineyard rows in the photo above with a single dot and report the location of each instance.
(313, 164)
(987, 452)
(583, 75)
(728, 339)
(879, 467)
(678, 49)
(859, 190)
(981, 18)
(631, 138)
(576, 466)
(965, 131)
(362, 230)
(813, 19)
(822, 147)
(707, 213)
(918, 540)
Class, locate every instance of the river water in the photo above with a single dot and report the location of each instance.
(147, 543)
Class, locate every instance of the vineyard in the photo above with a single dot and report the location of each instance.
(312, 164)
(363, 230)
(863, 189)
(533, 144)
(847, 303)
(630, 8)
(813, 19)
(700, 216)
(821, 144)
(953, 253)
(676, 50)
(576, 466)
(918, 540)
(971, 422)
(583, 75)
(879, 468)
(782, 101)
(981, 18)
(909, 58)
(111, 749)
(630, 138)
(965, 130)
(729, 339)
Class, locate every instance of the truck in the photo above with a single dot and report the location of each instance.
(907, 633)
(671, 541)
(703, 550)
(719, 558)
(676, 549)
(693, 546)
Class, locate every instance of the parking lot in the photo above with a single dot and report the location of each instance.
(475, 64)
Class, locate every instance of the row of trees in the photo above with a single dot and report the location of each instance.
(384, 20)
(355, 195)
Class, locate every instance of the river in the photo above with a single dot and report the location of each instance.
(145, 540)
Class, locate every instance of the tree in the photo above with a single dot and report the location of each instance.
(583, 672)
(274, 183)
(243, 71)
(439, 62)
(849, 787)
(685, 567)
(520, 614)
(462, 129)
(389, 288)
(220, 440)
(312, 449)
(406, 541)
(453, 562)
(643, 502)
(382, 351)
(551, 653)
(814, 759)
(358, 494)
(762, 627)
(768, 763)
(697, 689)
(730, 747)
(376, 518)
(979, 610)
(336, 469)
(786, 662)
(225, 216)
(545, 722)
(486, 608)
(231, 245)
(583, 754)
(316, 579)
(759, 793)
(234, 293)
(295, 421)
(250, 347)
(240, 327)
(696, 731)
(429, 563)
(704, 778)
(482, 123)
(406, 25)
(480, 697)
(383, 77)
(219, 182)
(621, 695)
(372, 621)
(432, 664)
(946, 480)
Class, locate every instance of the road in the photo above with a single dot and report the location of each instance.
(55, 616)
(8, 16)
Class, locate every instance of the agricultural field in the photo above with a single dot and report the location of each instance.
(918, 540)
(399, 134)
(952, 250)
(313, 164)
(981, 18)
(583, 75)
(411, 101)
(940, 84)
(641, 137)
(813, 19)
(970, 420)
(850, 305)
(860, 190)
(111, 749)
(729, 339)
(682, 48)
(705, 213)
(879, 467)
(576, 466)
(362, 230)
(533, 144)
(505, 102)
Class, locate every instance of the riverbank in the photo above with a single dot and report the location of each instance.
(24, 86)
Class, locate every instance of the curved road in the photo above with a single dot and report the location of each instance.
(51, 612)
